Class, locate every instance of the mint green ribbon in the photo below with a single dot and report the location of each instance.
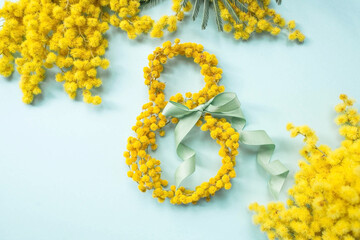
(224, 105)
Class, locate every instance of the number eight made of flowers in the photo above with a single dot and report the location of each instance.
(212, 110)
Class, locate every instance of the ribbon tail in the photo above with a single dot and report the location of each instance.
(278, 172)
(186, 153)
(276, 183)
(187, 167)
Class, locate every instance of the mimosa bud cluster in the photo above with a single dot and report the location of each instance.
(70, 35)
(325, 200)
(258, 18)
(146, 170)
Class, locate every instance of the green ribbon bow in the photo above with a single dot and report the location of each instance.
(224, 105)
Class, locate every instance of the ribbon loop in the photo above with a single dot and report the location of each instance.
(224, 105)
(177, 110)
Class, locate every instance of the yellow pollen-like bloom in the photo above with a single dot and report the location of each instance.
(144, 169)
(324, 203)
(69, 35)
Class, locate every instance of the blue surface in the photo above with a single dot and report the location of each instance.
(62, 174)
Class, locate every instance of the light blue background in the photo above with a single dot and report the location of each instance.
(62, 174)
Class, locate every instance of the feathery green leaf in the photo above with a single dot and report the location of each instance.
(184, 3)
(196, 9)
(241, 6)
(218, 17)
(205, 14)
(231, 10)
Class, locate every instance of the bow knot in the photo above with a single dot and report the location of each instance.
(223, 105)
(202, 107)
